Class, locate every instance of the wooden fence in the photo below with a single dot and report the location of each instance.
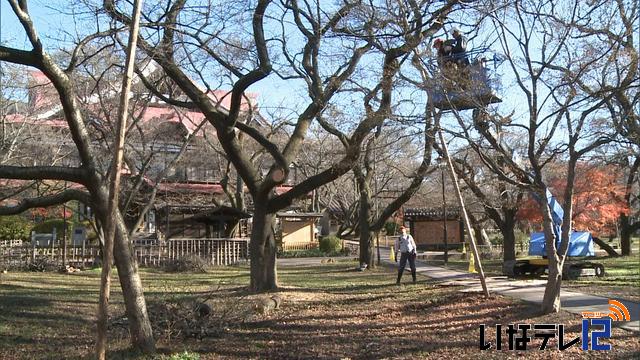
(296, 246)
(213, 251)
(352, 245)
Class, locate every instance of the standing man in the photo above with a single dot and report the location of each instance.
(407, 247)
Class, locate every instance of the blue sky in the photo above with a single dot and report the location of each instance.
(274, 92)
(52, 25)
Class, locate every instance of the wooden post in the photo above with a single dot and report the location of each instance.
(454, 180)
(114, 188)
(53, 242)
(84, 245)
(64, 231)
(33, 246)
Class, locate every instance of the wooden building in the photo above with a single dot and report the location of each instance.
(193, 221)
(427, 227)
(296, 230)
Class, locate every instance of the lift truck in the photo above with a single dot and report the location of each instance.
(576, 264)
(475, 87)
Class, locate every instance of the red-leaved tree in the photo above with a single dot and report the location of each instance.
(597, 202)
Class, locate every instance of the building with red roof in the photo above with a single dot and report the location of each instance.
(172, 156)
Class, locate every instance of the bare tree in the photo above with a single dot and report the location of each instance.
(628, 226)
(184, 40)
(406, 183)
(563, 121)
(614, 80)
(88, 173)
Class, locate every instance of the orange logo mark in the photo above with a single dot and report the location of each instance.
(619, 311)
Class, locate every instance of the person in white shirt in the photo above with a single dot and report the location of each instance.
(407, 248)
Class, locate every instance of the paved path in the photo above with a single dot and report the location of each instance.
(527, 290)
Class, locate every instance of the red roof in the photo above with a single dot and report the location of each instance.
(187, 187)
(223, 98)
(191, 188)
(191, 120)
(43, 99)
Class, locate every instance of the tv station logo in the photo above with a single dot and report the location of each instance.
(596, 326)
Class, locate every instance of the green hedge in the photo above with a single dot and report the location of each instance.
(14, 228)
(392, 228)
(330, 244)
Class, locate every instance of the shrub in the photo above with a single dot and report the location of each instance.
(330, 244)
(189, 263)
(14, 228)
(47, 227)
(91, 233)
(185, 356)
(391, 228)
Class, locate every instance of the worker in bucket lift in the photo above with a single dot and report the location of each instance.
(459, 51)
(444, 55)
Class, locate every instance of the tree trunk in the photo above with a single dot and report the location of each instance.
(367, 255)
(604, 246)
(366, 235)
(262, 250)
(477, 227)
(509, 239)
(132, 291)
(240, 204)
(626, 230)
(627, 227)
(551, 299)
(477, 230)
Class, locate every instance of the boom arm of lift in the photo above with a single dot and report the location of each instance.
(580, 243)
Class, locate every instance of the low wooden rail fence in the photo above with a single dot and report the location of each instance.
(213, 251)
(296, 246)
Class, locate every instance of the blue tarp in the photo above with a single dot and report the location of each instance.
(580, 244)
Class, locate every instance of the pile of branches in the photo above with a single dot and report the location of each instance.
(189, 263)
(41, 264)
(211, 315)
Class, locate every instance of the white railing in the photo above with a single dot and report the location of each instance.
(10, 243)
(212, 251)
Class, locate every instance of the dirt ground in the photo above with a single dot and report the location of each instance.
(417, 322)
(327, 312)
